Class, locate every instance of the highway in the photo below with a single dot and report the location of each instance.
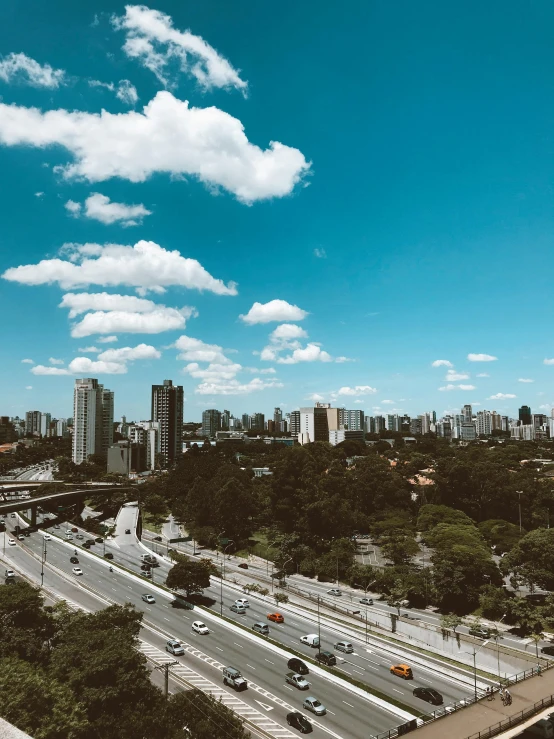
(349, 715)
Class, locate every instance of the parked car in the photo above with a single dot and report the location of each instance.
(277, 618)
(9, 574)
(402, 671)
(300, 722)
(344, 646)
(326, 658)
(11, 542)
(46, 537)
(296, 665)
(74, 529)
(127, 531)
(69, 537)
(334, 591)
(430, 695)
(21, 537)
(200, 628)
(157, 538)
(314, 705)
(366, 601)
(74, 560)
(79, 536)
(99, 540)
(147, 598)
(77, 571)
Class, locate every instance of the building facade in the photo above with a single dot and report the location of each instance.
(211, 423)
(167, 411)
(92, 410)
(525, 415)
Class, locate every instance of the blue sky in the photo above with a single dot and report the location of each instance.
(404, 216)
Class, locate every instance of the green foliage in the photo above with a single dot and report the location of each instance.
(532, 559)
(450, 621)
(432, 515)
(493, 601)
(399, 548)
(501, 534)
(280, 598)
(190, 576)
(202, 717)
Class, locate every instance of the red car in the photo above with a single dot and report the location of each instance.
(276, 617)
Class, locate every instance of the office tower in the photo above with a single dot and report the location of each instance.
(270, 426)
(8, 432)
(379, 424)
(167, 410)
(277, 416)
(295, 423)
(211, 422)
(369, 425)
(45, 419)
(505, 423)
(467, 414)
(245, 422)
(425, 419)
(87, 419)
(257, 422)
(483, 423)
(496, 421)
(416, 426)
(314, 424)
(393, 422)
(106, 401)
(444, 429)
(539, 419)
(351, 420)
(525, 415)
(433, 416)
(225, 419)
(283, 427)
(32, 423)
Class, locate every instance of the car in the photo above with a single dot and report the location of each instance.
(127, 531)
(480, 632)
(11, 542)
(277, 618)
(548, 650)
(154, 563)
(86, 545)
(79, 536)
(147, 598)
(147, 574)
(236, 608)
(402, 671)
(99, 540)
(108, 555)
(74, 560)
(314, 705)
(293, 678)
(90, 542)
(300, 722)
(310, 640)
(146, 567)
(344, 646)
(77, 571)
(46, 537)
(243, 566)
(9, 573)
(410, 616)
(69, 537)
(157, 538)
(68, 531)
(12, 515)
(261, 628)
(334, 591)
(174, 647)
(57, 526)
(242, 602)
(366, 601)
(74, 529)
(27, 532)
(200, 627)
(296, 665)
(326, 658)
(430, 695)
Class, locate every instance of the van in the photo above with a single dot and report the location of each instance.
(326, 658)
(261, 628)
(402, 671)
(311, 640)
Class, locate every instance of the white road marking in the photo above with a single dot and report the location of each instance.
(270, 662)
(252, 668)
(166, 619)
(425, 680)
(358, 671)
(220, 649)
(238, 645)
(398, 691)
(349, 704)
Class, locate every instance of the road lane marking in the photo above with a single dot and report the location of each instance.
(238, 645)
(220, 649)
(252, 668)
(270, 662)
(166, 619)
(349, 704)
(358, 671)
(398, 691)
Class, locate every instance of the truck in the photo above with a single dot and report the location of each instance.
(293, 678)
(232, 677)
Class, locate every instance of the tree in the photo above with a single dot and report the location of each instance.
(203, 717)
(399, 548)
(396, 597)
(24, 626)
(190, 576)
(503, 535)
(432, 515)
(493, 601)
(450, 622)
(38, 704)
(525, 615)
(459, 572)
(532, 559)
(280, 598)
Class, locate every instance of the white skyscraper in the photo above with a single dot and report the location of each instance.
(45, 419)
(92, 419)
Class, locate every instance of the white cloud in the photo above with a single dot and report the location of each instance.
(548, 361)
(234, 387)
(107, 339)
(442, 363)
(523, 379)
(53, 360)
(89, 350)
(358, 390)
(275, 310)
(311, 353)
(320, 253)
(453, 376)
(145, 264)
(110, 362)
(213, 372)
(28, 387)
(481, 358)
(257, 371)
(387, 402)
(341, 360)
(129, 354)
(99, 208)
(167, 137)
(27, 361)
(41, 369)
(86, 367)
(483, 374)
(21, 68)
(449, 387)
(501, 396)
(98, 83)
(127, 93)
(161, 319)
(83, 302)
(287, 332)
(195, 350)
(154, 42)
(39, 194)
(316, 397)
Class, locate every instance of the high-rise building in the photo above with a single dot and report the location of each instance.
(257, 422)
(211, 422)
(225, 419)
(539, 419)
(416, 426)
(314, 424)
(525, 415)
(92, 411)
(295, 423)
(483, 423)
(425, 419)
(45, 420)
(496, 421)
(32, 423)
(369, 425)
(350, 420)
(467, 414)
(277, 416)
(393, 422)
(379, 422)
(167, 410)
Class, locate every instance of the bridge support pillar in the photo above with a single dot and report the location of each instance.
(33, 515)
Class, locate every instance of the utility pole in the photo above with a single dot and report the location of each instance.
(318, 628)
(165, 667)
(223, 577)
(42, 561)
(520, 493)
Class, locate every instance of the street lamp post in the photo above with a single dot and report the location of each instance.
(475, 651)
(42, 561)
(266, 556)
(520, 493)
(318, 628)
(285, 569)
(497, 637)
(223, 577)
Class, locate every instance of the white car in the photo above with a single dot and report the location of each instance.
(77, 571)
(11, 542)
(46, 537)
(200, 627)
(69, 537)
(10, 573)
(21, 537)
(242, 602)
(147, 598)
(68, 532)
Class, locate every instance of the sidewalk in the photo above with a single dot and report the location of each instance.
(486, 714)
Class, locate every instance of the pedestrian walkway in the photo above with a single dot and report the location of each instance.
(484, 715)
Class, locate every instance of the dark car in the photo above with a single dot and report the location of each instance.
(296, 665)
(480, 631)
(127, 531)
(243, 566)
(157, 538)
(74, 529)
(74, 560)
(548, 650)
(86, 545)
(108, 555)
(429, 694)
(90, 542)
(146, 568)
(326, 658)
(300, 722)
(155, 563)
(99, 540)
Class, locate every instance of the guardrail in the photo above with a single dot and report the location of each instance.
(514, 720)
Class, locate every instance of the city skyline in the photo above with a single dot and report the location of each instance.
(363, 249)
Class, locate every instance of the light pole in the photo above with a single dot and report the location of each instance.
(285, 569)
(520, 493)
(475, 651)
(497, 637)
(318, 628)
(266, 556)
(222, 578)
(42, 561)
